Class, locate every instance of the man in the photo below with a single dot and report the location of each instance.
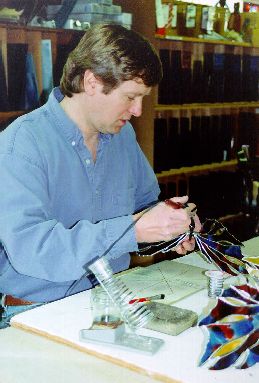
(73, 176)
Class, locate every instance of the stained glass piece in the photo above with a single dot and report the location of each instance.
(229, 347)
(233, 330)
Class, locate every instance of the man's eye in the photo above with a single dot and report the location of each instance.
(131, 98)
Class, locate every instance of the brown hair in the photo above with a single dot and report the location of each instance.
(114, 54)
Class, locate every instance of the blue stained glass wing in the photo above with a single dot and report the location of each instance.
(233, 329)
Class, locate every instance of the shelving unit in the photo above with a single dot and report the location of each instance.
(32, 36)
(234, 107)
(146, 25)
(144, 22)
(225, 105)
(201, 40)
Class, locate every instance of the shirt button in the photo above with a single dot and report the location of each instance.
(87, 162)
(73, 143)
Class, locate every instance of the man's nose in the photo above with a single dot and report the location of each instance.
(136, 108)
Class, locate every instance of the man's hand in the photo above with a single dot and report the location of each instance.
(163, 223)
(188, 244)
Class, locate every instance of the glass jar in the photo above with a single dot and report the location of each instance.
(104, 311)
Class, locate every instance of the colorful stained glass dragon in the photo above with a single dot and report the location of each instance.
(232, 326)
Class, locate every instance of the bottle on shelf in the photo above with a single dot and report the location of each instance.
(171, 16)
(207, 19)
(190, 20)
(234, 22)
(222, 14)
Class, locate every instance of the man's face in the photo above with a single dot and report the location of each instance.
(112, 111)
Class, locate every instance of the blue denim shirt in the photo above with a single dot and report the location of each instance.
(59, 209)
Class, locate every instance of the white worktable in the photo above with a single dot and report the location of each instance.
(26, 357)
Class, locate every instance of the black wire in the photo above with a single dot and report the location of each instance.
(76, 282)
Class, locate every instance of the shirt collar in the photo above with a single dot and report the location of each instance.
(65, 124)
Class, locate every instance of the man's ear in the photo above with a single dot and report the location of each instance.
(90, 82)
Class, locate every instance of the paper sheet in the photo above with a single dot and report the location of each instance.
(175, 280)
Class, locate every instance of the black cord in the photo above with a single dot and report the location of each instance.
(76, 282)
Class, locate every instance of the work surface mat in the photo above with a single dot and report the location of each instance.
(174, 279)
(175, 362)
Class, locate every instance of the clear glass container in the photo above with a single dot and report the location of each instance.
(104, 311)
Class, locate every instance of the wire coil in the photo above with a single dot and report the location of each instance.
(136, 315)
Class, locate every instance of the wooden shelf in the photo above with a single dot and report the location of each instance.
(32, 37)
(225, 105)
(37, 28)
(203, 40)
(196, 170)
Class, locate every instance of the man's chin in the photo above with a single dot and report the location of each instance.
(122, 123)
(119, 126)
(116, 128)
